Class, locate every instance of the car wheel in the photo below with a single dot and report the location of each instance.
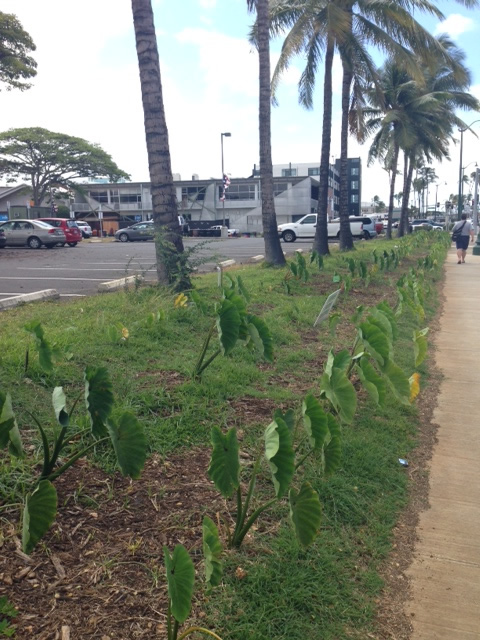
(366, 235)
(289, 236)
(123, 237)
(71, 244)
(34, 243)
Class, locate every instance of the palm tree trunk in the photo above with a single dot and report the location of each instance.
(346, 239)
(393, 178)
(407, 183)
(320, 243)
(273, 249)
(164, 201)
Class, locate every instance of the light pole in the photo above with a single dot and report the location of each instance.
(460, 170)
(476, 248)
(224, 232)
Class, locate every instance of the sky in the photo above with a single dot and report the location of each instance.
(88, 86)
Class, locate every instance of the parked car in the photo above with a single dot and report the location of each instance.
(85, 228)
(305, 228)
(435, 225)
(139, 231)
(33, 233)
(69, 227)
(369, 225)
(231, 232)
(3, 239)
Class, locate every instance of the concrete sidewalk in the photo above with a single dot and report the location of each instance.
(445, 573)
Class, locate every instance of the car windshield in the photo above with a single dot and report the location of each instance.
(43, 225)
(72, 224)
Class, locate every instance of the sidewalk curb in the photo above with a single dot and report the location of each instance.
(15, 301)
(113, 285)
(258, 258)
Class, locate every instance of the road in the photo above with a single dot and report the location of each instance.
(77, 271)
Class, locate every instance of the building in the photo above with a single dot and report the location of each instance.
(111, 206)
(354, 169)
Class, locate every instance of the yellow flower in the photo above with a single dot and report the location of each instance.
(125, 333)
(180, 301)
(414, 381)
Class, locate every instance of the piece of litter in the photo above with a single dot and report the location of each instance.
(403, 462)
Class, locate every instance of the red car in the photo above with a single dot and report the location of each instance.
(69, 227)
(379, 227)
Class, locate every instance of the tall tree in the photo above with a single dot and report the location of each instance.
(16, 65)
(169, 245)
(48, 159)
(273, 250)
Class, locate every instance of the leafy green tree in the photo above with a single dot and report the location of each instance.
(273, 250)
(46, 159)
(169, 245)
(16, 65)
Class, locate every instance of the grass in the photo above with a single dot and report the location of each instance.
(325, 592)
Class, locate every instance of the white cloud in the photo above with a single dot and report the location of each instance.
(455, 24)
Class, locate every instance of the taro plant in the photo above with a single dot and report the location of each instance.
(46, 352)
(125, 434)
(180, 572)
(7, 614)
(233, 325)
(288, 442)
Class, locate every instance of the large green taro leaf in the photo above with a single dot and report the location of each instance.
(341, 393)
(280, 455)
(224, 468)
(288, 417)
(180, 580)
(98, 398)
(228, 326)
(398, 381)
(420, 345)
(375, 341)
(59, 401)
(9, 433)
(38, 514)
(212, 551)
(306, 513)
(314, 422)
(129, 443)
(44, 350)
(386, 309)
(372, 381)
(261, 337)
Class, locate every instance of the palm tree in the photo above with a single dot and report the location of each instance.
(273, 250)
(169, 245)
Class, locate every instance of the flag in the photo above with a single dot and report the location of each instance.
(226, 184)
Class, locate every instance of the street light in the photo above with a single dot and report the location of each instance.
(460, 170)
(227, 135)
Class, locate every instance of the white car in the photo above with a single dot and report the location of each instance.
(305, 228)
(85, 228)
(231, 232)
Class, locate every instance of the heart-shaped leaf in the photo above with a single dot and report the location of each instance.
(288, 417)
(224, 468)
(372, 381)
(129, 443)
(98, 398)
(414, 382)
(280, 455)
(38, 514)
(398, 381)
(341, 393)
(314, 422)
(261, 337)
(306, 513)
(375, 341)
(9, 432)
(59, 402)
(180, 581)
(228, 326)
(212, 551)
(420, 345)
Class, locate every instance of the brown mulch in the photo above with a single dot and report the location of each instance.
(100, 570)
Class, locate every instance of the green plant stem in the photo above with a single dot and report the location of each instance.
(238, 522)
(57, 449)
(197, 370)
(252, 519)
(169, 620)
(209, 361)
(46, 448)
(191, 630)
(175, 630)
(73, 459)
(243, 513)
(302, 460)
(351, 365)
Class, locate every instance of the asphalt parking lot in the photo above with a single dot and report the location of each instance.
(77, 271)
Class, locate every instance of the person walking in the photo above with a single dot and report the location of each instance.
(462, 232)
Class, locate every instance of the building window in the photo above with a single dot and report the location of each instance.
(130, 198)
(289, 173)
(314, 171)
(99, 196)
(242, 191)
(114, 197)
(354, 199)
(279, 187)
(193, 193)
(354, 171)
(354, 185)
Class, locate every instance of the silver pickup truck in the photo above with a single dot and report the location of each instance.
(306, 226)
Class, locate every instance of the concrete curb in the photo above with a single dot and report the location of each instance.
(113, 285)
(226, 263)
(46, 294)
(258, 258)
